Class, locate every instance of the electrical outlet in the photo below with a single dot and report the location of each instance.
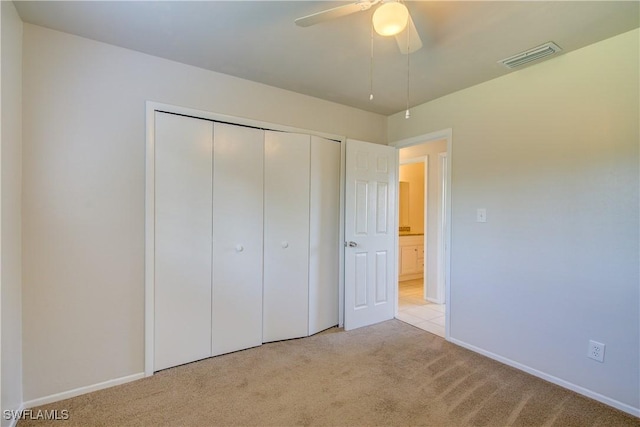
(596, 351)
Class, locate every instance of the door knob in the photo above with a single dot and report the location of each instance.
(351, 244)
(285, 245)
(239, 248)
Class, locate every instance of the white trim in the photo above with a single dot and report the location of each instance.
(447, 240)
(446, 134)
(442, 227)
(552, 379)
(150, 243)
(396, 236)
(149, 299)
(81, 390)
(192, 112)
(340, 249)
(14, 421)
(427, 137)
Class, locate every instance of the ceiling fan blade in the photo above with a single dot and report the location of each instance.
(414, 42)
(336, 12)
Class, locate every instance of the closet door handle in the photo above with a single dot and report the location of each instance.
(239, 248)
(351, 244)
(285, 244)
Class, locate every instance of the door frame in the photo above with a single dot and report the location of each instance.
(149, 269)
(447, 135)
(443, 169)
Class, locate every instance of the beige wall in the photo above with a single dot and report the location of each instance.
(552, 152)
(84, 171)
(434, 207)
(10, 225)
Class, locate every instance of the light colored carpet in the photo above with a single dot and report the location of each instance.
(388, 374)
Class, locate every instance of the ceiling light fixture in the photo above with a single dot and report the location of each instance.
(390, 18)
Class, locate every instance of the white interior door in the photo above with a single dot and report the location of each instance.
(286, 236)
(237, 238)
(370, 247)
(182, 240)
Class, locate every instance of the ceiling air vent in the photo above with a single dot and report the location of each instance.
(530, 55)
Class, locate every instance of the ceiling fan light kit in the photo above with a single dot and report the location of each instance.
(390, 18)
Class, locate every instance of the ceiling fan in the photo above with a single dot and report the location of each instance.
(391, 18)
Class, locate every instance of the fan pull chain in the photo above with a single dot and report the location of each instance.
(371, 65)
(407, 114)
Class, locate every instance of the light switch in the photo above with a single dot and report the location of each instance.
(481, 215)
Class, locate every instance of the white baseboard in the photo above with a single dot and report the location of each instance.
(552, 379)
(14, 421)
(80, 390)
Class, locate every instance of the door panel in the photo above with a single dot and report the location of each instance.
(182, 240)
(237, 238)
(382, 208)
(370, 265)
(286, 236)
(362, 208)
(382, 262)
(360, 278)
(324, 234)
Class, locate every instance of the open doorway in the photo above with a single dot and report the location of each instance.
(421, 235)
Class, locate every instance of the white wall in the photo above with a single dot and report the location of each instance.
(10, 224)
(552, 152)
(83, 209)
(434, 206)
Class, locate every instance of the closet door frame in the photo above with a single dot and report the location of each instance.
(149, 286)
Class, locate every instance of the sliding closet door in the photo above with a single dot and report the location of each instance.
(286, 240)
(182, 240)
(324, 234)
(237, 238)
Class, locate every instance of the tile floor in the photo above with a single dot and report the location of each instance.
(414, 310)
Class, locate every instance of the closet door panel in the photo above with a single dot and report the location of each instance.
(286, 218)
(324, 234)
(182, 240)
(237, 238)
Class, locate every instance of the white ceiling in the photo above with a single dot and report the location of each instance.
(258, 40)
